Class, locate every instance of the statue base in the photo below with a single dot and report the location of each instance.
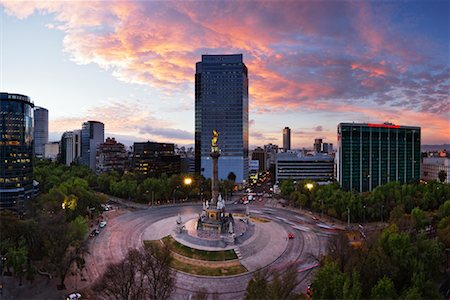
(213, 219)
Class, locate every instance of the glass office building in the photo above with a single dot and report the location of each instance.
(221, 103)
(370, 155)
(40, 131)
(92, 135)
(16, 151)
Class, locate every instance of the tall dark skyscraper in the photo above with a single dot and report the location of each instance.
(92, 135)
(370, 155)
(40, 130)
(221, 103)
(286, 138)
(16, 151)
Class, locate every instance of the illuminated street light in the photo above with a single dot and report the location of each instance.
(187, 181)
(309, 186)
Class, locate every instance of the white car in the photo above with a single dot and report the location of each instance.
(74, 296)
(102, 224)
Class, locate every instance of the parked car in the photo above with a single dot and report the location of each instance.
(291, 235)
(94, 232)
(102, 224)
(73, 296)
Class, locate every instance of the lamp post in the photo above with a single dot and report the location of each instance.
(364, 213)
(187, 182)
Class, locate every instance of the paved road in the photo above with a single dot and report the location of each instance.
(126, 231)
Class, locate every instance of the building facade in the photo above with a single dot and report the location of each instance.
(271, 154)
(370, 155)
(318, 145)
(259, 154)
(70, 147)
(40, 131)
(327, 148)
(92, 135)
(111, 155)
(16, 151)
(221, 103)
(51, 150)
(431, 166)
(151, 159)
(319, 167)
(286, 138)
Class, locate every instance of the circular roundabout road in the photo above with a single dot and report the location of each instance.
(129, 228)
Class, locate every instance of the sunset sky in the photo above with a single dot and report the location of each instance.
(312, 64)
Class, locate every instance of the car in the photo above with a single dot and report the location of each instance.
(291, 235)
(73, 296)
(245, 202)
(102, 224)
(94, 232)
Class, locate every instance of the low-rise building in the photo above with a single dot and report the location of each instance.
(431, 166)
(111, 155)
(319, 167)
(151, 159)
(51, 150)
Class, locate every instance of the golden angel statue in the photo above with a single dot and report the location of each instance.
(214, 139)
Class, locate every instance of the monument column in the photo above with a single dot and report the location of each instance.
(215, 177)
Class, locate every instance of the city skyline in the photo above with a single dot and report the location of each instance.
(312, 65)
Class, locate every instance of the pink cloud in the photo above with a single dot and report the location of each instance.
(300, 55)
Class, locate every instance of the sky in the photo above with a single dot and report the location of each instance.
(312, 64)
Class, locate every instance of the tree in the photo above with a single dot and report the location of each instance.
(231, 177)
(442, 175)
(340, 250)
(159, 276)
(384, 289)
(257, 286)
(142, 274)
(17, 259)
(62, 242)
(419, 217)
(328, 282)
(352, 287)
(271, 284)
(119, 281)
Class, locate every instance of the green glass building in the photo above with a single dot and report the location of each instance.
(370, 155)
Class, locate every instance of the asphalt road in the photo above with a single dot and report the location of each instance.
(125, 231)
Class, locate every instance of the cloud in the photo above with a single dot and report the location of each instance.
(304, 56)
(318, 128)
(123, 119)
(167, 133)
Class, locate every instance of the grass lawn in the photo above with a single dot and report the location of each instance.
(198, 254)
(207, 271)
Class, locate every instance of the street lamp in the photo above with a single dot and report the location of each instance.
(187, 180)
(309, 186)
(364, 215)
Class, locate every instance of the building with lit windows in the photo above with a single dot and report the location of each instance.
(16, 151)
(260, 155)
(370, 155)
(221, 103)
(40, 131)
(291, 165)
(92, 135)
(111, 155)
(151, 159)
